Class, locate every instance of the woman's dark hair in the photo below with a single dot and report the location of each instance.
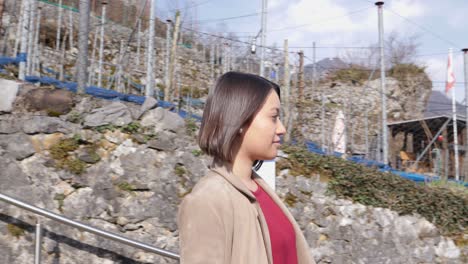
(233, 103)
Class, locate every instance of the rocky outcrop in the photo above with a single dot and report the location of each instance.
(406, 100)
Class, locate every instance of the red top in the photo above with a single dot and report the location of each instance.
(282, 236)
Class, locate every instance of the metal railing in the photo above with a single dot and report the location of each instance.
(81, 226)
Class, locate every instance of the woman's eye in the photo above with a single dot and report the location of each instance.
(275, 117)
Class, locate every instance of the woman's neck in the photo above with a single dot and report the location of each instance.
(242, 168)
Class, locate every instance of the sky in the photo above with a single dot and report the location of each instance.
(438, 25)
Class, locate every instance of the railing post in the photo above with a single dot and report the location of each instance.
(37, 252)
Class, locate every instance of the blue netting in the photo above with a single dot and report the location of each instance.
(5, 61)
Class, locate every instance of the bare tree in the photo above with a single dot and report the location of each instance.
(399, 49)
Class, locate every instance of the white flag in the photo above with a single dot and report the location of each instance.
(450, 76)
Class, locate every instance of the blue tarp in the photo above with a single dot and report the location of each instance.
(5, 61)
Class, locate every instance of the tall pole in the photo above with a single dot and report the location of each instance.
(465, 60)
(24, 40)
(70, 26)
(32, 24)
(445, 154)
(101, 47)
(366, 116)
(224, 57)
(287, 92)
(301, 76)
(36, 49)
(83, 34)
(212, 58)
(119, 83)
(366, 128)
(19, 29)
(314, 87)
(263, 39)
(138, 42)
(168, 48)
(276, 69)
(171, 88)
(150, 52)
(63, 57)
(229, 57)
(382, 84)
(93, 59)
(300, 97)
(454, 114)
(59, 26)
(2, 7)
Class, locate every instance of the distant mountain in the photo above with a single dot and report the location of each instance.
(439, 104)
(323, 67)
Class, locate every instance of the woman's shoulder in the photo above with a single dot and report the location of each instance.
(210, 188)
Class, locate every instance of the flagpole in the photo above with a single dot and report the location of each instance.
(450, 84)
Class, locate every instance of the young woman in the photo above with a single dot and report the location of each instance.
(231, 215)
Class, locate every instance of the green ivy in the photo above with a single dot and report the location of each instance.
(441, 206)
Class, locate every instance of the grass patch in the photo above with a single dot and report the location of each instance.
(75, 117)
(74, 166)
(125, 186)
(456, 188)
(104, 128)
(404, 71)
(53, 113)
(290, 199)
(190, 126)
(179, 170)
(131, 128)
(197, 152)
(60, 152)
(15, 230)
(352, 74)
(61, 149)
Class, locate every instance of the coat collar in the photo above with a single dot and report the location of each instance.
(301, 244)
(223, 170)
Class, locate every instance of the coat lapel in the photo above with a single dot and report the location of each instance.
(237, 183)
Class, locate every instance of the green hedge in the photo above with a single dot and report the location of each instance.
(444, 208)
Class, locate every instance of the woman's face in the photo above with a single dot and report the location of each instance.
(261, 138)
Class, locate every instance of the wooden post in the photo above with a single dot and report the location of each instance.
(300, 96)
(2, 6)
(63, 58)
(168, 90)
(445, 155)
(287, 93)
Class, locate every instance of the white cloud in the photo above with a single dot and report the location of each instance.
(335, 22)
(319, 16)
(437, 68)
(408, 8)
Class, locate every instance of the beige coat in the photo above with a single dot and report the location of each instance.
(221, 222)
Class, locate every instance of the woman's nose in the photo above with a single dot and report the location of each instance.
(280, 129)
